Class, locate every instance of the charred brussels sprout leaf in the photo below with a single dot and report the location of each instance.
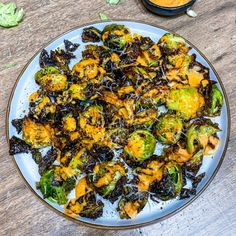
(61, 59)
(108, 179)
(199, 133)
(131, 203)
(214, 102)
(116, 36)
(18, 146)
(52, 189)
(91, 34)
(168, 128)
(46, 161)
(69, 46)
(18, 124)
(44, 59)
(195, 162)
(140, 146)
(171, 184)
(186, 101)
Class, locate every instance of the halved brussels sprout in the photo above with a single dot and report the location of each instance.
(85, 204)
(168, 128)
(171, 184)
(173, 42)
(41, 107)
(92, 122)
(53, 82)
(53, 189)
(77, 91)
(131, 203)
(116, 36)
(108, 178)
(69, 123)
(186, 101)
(199, 133)
(151, 172)
(140, 145)
(91, 34)
(88, 69)
(46, 71)
(36, 134)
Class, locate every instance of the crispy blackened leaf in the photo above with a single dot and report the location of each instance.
(18, 145)
(36, 155)
(61, 58)
(118, 191)
(69, 46)
(91, 34)
(44, 59)
(17, 123)
(47, 160)
(101, 153)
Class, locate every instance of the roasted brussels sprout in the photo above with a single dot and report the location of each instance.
(171, 43)
(45, 71)
(92, 122)
(88, 69)
(214, 102)
(170, 185)
(199, 133)
(151, 172)
(69, 123)
(168, 128)
(54, 190)
(36, 134)
(140, 145)
(116, 36)
(77, 91)
(186, 101)
(91, 34)
(53, 82)
(41, 107)
(131, 203)
(108, 179)
(85, 204)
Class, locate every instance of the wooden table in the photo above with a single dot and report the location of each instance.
(213, 32)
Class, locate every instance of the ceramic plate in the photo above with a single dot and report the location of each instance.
(152, 212)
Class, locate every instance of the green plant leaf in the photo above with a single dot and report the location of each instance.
(113, 2)
(103, 17)
(10, 16)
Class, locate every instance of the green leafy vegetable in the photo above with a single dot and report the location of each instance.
(113, 2)
(10, 16)
(103, 17)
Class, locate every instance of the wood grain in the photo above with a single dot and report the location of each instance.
(213, 32)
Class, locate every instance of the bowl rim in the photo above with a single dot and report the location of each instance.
(123, 227)
(188, 4)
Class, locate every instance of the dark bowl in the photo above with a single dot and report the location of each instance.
(167, 11)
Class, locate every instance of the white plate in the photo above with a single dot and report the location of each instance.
(152, 212)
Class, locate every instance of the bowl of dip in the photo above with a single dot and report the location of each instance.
(168, 7)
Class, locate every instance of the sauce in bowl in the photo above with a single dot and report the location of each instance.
(169, 3)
